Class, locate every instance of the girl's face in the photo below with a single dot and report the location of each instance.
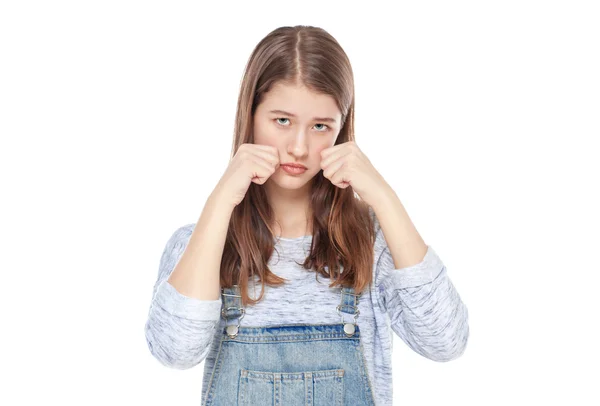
(300, 124)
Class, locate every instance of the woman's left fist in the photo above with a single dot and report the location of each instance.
(346, 165)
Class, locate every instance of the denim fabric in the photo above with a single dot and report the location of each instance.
(291, 365)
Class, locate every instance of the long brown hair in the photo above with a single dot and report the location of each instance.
(343, 231)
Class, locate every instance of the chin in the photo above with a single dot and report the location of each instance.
(285, 181)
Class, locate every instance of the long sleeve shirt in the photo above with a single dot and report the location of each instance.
(419, 303)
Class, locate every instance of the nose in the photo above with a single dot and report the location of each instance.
(297, 146)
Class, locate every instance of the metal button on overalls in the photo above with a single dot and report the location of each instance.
(289, 365)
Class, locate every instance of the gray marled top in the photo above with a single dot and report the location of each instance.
(419, 303)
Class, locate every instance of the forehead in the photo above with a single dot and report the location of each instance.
(301, 101)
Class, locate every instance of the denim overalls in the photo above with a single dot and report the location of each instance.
(289, 365)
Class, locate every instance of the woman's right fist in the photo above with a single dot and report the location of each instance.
(251, 163)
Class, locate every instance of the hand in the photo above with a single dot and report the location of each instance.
(346, 165)
(251, 163)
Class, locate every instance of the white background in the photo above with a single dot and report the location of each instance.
(116, 120)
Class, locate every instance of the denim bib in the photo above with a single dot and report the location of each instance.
(289, 365)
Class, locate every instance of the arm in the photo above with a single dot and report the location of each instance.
(179, 329)
(186, 302)
(424, 307)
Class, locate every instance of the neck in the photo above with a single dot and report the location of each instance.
(291, 208)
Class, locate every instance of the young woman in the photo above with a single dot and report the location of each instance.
(312, 324)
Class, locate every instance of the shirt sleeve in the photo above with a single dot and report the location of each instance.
(424, 307)
(179, 329)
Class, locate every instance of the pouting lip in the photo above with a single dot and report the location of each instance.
(294, 165)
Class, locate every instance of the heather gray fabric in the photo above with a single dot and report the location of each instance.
(419, 303)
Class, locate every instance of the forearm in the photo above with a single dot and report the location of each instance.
(404, 241)
(197, 274)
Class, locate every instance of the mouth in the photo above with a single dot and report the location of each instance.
(293, 169)
(292, 165)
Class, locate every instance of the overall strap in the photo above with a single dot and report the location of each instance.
(232, 309)
(349, 305)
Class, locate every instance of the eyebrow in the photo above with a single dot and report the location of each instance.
(285, 113)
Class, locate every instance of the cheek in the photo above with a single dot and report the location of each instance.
(317, 152)
(319, 149)
(261, 134)
(324, 144)
(267, 133)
